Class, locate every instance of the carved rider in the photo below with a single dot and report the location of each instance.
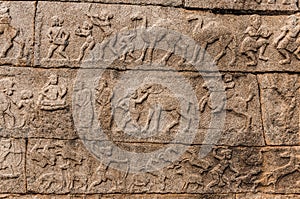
(85, 31)
(52, 95)
(58, 38)
(256, 40)
(288, 42)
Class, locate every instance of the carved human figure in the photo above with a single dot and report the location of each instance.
(84, 104)
(234, 102)
(58, 38)
(7, 164)
(7, 118)
(9, 33)
(27, 107)
(85, 31)
(52, 96)
(256, 40)
(217, 173)
(103, 22)
(288, 42)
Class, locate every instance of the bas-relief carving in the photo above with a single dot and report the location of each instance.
(279, 108)
(260, 5)
(34, 102)
(251, 42)
(12, 165)
(16, 41)
(62, 166)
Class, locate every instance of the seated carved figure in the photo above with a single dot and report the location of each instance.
(52, 96)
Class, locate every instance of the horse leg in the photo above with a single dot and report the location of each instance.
(225, 43)
(202, 51)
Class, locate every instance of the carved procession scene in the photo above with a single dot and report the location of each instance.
(159, 99)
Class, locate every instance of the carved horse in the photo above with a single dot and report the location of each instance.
(209, 34)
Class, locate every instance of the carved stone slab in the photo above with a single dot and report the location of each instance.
(280, 97)
(123, 196)
(36, 103)
(266, 196)
(261, 5)
(251, 42)
(57, 166)
(12, 165)
(17, 30)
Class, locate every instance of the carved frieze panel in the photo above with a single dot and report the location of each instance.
(280, 98)
(260, 5)
(36, 103)
(12, 165)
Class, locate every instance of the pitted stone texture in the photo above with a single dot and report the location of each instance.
(157, 113)
(17, 30)
(266, 196)
(279, 98)
(251, 42)
(261, 5)
(38, 103)
(135, 2)
(12, 165)
(123, 196)
(57, 166)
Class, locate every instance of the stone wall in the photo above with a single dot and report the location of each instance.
(150, 99)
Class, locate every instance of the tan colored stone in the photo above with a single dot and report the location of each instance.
(261, 5)
(39, 103)
(266, 196)
(12, 165)
(17, 30)
(279, 93)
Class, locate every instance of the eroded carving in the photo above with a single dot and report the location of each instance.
(256, 40)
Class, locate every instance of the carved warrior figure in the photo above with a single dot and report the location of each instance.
(288, 41)
(9, 33)
(209, 34)
(256, 40)
(87, 32)
(223, 155)
(52, 96)
(103, 22)
(58, 38)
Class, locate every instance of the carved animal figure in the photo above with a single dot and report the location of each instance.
(274, 176)
(207, 35)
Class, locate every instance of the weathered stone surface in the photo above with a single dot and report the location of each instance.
(136, 2)
(57, 166)
(12, 165)
(250, 43)
(266, 196)
(149, 99)
(38, 103)
(280, 97)
(17, 32)
(260, 5)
